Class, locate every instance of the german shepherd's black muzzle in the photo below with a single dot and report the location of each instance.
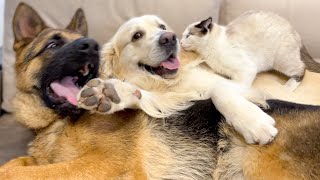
(66, 71)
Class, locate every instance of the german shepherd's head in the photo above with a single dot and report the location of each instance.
(53, 64)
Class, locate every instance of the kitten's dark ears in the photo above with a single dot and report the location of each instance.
(79, 23)
(26, 24)
(205, 25)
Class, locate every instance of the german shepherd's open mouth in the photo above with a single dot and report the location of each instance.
(53, 64)
(69, 68)
(64, 90)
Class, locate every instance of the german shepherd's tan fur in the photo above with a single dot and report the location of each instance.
(132, 145)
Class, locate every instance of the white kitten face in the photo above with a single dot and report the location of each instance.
(190, 38)
(196, 35)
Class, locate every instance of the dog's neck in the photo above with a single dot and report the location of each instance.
(31, 112)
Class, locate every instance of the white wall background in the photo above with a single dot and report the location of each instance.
(1, 20)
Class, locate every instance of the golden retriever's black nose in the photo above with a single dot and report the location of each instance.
(167, 38)
(88, 46)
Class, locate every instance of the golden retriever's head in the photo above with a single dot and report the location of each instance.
(143, 49)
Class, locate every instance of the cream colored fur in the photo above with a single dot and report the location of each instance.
(163, 96)
(256, 41)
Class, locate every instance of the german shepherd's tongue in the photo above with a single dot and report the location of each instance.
(66, 88)
(171, 63)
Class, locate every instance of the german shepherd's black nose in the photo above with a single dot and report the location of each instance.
(167, 39)
(87, 45)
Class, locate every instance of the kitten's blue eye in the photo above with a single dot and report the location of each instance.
(189, 35)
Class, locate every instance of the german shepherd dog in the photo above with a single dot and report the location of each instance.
(52, 65)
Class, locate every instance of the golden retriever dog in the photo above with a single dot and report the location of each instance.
(144, 52)
(159, 120)
(135, 54)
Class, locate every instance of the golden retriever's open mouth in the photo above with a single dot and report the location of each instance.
(166, 68)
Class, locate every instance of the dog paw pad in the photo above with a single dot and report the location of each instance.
(94, 83)
(110, 92)
(87, 92)
(91, 101)
(108, 96)
(138, 94)
(104, 106)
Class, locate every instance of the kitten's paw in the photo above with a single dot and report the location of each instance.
(108, 96)
(292, 84)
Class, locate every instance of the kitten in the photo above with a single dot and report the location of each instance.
(254, 42)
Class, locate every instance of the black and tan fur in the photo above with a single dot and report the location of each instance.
(195, 144)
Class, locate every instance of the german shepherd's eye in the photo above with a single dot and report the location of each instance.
(54, 42)
(161, 26)
(138, 35)
(51, 45)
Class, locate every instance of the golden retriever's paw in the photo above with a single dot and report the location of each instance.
(259, 129)
(108, 96)
(253, 124)
(292, 84)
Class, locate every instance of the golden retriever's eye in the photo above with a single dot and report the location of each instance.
(162, 27)
(137, 36)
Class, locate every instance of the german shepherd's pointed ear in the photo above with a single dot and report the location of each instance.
(27, 24)
(108, 61)
(79, 23)
(205, 25)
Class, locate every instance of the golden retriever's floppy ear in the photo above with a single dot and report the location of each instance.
(108, 60)
(26, 25)
(79, 23)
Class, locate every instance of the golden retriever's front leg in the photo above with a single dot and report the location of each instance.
(255, 125)
(113, 95)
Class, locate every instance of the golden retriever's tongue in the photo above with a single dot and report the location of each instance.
(171, 64)
(66, 88)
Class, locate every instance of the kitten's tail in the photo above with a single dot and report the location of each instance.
(310, 63)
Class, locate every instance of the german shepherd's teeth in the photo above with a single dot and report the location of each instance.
(86, 69)
(84, 73)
